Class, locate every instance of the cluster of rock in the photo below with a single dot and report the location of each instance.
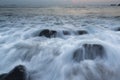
(86, 51)
(53, 33)
(114, 4)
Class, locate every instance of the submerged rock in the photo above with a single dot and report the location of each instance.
(53, 33)
(78, 55)
(93, 51)
(18, 73)
(81, 32)
(2, 20)
(113, 4)
(66, 32)
(48, 33)
(89, 51)
(117, 29)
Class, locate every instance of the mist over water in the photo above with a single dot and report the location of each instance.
(61, 43)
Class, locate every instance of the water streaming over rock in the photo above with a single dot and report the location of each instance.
(61, 47)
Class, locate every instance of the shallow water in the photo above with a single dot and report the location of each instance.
(61, 57)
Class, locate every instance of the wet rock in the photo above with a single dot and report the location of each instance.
(93, 51)
(113, 5)
(117, 29)
(48, 33)
(89, 51)
(2, 76)
(66, 32)
(81, 32)
(117, 17)
(2, 20)
(78, 55)
(18, 73)
(7, 14)
(58, 23)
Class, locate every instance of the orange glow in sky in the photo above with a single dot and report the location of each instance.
(75, 1)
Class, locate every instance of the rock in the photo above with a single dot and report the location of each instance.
(66, 32)
(78, 55)
(58, 23)
(88, 51)
(81, 32)
(118, 4)
(117, 29)
(113, 5)
(48, 33)
(2, 20)
(18, 73)
(8, 14)
(117, 17)
(2, 76)
(93, 51)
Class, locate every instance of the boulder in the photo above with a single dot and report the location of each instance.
(113, 5)
(2, 76)
(89, 51)
(48, 33)
(118, 4)
(93, 51)
(117, 17)
(117, 29)
(2, 20)
(81, 32)
(66, 32)
(18, 73)
(78, 55)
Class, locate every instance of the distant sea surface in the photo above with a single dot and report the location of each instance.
(60, 43)
(106, 11)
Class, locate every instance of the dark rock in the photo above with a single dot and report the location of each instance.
(66, 32)
(57, 23)
(113, 5)
(93, 51)
(78, 55)
(117, 17)
(48, 33)
(2, 76)
(18, 73)
(2, 20)
(118, 4)
(89, 51)
(117, 29)
(81, 32)
(8, 14)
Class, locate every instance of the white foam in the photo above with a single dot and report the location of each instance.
(52, 58)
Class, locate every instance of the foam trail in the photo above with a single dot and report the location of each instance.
(61, 47)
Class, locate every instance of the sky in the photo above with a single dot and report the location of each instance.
(54, 2)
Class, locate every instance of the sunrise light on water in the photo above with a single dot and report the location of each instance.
(59, 39)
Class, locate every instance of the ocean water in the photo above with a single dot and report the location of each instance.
(67, 55)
